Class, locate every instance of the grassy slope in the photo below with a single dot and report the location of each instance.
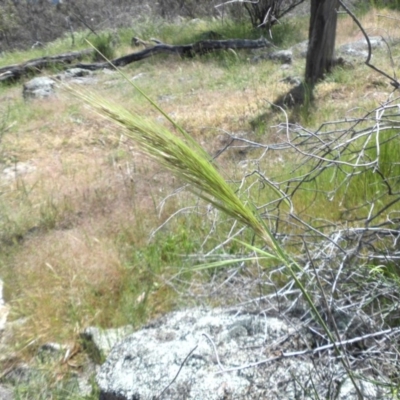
(74, 233)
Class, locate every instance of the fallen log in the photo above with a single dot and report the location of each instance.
(187, 51)
(14, 72)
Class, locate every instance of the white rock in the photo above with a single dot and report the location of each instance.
(21, 168)
(39, 88)
(185, 356)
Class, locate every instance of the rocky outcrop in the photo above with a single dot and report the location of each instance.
(216, 355)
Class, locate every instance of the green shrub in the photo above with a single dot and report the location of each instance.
(288, 33)
(104, 47)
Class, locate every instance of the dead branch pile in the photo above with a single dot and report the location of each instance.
(350, 261)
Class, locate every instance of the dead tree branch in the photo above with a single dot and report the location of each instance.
(187, 51)
(395, 83)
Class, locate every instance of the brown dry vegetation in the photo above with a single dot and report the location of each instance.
(75, 240)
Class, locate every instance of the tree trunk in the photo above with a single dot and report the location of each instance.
(322, 35)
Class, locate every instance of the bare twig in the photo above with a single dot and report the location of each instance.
(177, 374)
(313, 351)
(215, 351)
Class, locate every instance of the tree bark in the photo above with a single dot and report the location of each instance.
(322, 35)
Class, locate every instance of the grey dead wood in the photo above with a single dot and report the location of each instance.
(188, 51)
(12, 73)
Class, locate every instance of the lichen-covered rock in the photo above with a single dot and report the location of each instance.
(211, 355)
(359, 49)
(282, 56)
(77, 75)
(147, 361)
(39, 88)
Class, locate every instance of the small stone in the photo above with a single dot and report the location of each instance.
(16, 170)
(292, 80)
(77, 73)
(283, 56)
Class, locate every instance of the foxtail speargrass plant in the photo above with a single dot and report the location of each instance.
(188, 161)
